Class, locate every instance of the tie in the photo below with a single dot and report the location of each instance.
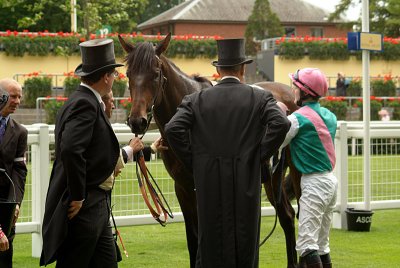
(2, 128)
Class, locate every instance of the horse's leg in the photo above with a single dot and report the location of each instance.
(187, 201)
(286, 215)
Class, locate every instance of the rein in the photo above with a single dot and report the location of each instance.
(279, 165)
(159, 212)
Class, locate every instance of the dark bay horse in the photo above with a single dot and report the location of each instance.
(157, 86)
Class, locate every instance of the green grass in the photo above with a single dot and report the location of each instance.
(154, 246)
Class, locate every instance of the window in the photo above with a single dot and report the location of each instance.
(289, 31)
(317, 32)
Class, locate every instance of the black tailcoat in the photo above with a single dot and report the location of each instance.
(222, 134)
(87, 151)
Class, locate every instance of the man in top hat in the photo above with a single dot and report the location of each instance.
(13, 145)
(76, 230)
(223, 134)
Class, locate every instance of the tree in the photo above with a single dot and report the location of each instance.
(54, 15)
(262, 24)
(384, 15)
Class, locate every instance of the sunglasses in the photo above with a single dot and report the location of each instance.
(296, 77)
(115, 74)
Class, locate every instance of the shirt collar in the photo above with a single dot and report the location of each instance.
(230, 76)
(97, 94)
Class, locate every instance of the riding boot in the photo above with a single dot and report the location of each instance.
(311, 260)
(326, 261)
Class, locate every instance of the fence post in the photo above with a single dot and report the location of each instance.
(339, 216)
(40, 182)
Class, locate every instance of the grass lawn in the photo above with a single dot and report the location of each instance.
(154, 246)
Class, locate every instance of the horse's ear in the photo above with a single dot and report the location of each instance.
(126, 46)
(161, 47)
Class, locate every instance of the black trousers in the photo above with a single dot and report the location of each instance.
(89, 241)
(6, 256)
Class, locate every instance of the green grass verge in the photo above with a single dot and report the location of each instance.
(154, 246)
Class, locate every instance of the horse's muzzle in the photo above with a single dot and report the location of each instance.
(138, 125)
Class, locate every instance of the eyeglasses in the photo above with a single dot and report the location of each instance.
(296, 77)
(115, 73)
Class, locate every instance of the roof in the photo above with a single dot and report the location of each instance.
(237, 11)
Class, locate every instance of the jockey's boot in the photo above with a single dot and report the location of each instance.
(311, 260)
(326, 261)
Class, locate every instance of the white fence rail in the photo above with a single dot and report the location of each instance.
(129, 208)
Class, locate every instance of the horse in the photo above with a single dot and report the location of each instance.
(157, 86)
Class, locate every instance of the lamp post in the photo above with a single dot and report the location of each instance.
(73, 16)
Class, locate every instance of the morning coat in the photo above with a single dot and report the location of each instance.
(223, 134)
(87, 151)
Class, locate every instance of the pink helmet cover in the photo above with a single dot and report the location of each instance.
(310, 80)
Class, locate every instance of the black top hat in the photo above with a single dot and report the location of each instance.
(97, 55)
(231, 53)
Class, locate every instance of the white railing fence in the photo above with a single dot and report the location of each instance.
(129, 208)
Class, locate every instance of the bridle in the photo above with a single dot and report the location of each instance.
(160, 89)
(160, 212)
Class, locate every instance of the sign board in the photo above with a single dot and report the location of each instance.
(104, 31)
(364, 41)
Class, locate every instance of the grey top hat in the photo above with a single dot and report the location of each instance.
(97, 55)
(231, 53)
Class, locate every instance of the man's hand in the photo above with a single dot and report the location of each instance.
(16, 214)
(158, 145)
(136, 144)
(74, 208)
(3, 242)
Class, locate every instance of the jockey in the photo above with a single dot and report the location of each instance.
(311, 139)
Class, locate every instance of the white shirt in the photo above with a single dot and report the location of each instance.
(97, 94)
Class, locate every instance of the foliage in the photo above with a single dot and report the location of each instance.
(71, 82)
(127, 105)
(34, 87)
(262, 24)
(375, 107)
(354, 89)
(318, 48)
(119, 86)
(336, 105)
(51, 107)
(395, 104)
(35, 15)
(383, 87)
(384, 16)
(67, 44)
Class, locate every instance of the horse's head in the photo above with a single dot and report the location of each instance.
(146, 80)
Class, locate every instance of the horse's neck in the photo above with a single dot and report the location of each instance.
(177, 86)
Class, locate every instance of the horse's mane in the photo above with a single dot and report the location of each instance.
(140, 59)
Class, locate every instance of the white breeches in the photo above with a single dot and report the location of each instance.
(317, 202)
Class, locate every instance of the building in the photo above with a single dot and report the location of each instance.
(228, 19)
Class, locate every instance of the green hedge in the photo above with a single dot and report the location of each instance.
(19, 46)
(336, 105)
(331, 49)
(34, 87)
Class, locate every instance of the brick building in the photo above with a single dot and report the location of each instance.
(228, 18)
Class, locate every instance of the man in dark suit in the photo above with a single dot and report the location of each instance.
(76, 229)
(223, 134)
(13, 145)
